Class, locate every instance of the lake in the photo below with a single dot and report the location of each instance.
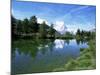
(34, 56)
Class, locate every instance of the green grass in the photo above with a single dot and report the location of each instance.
(86, 61)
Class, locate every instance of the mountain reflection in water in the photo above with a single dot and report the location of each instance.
(43, 55)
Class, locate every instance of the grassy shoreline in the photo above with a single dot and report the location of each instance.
(86, 61)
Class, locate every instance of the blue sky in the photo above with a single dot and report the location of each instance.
(69, 15)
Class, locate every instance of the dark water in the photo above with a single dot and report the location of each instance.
(31, 56)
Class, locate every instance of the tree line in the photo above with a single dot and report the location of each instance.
(32, 27)
(81, 34)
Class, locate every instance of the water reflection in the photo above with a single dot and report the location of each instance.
(67, 41)
(81, 41)
(59, 43)
(43, 54)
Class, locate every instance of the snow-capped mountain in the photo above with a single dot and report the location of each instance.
(60, 27)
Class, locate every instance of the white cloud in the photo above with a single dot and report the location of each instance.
(40, 20)
(60, 27)
(72, 28)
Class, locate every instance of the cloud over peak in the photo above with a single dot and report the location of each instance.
(40, 20)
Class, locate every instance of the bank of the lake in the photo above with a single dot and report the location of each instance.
(86, 61)
(44, 55)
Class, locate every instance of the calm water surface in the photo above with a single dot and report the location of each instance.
(31, 56)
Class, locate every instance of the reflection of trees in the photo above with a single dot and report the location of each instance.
(80, 41)
(43, 50)
(44, 43)
(31, 46)
(26, 47)
(83, 41)
(67, 41)
(51, 44)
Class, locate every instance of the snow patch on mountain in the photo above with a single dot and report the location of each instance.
(60, 27)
